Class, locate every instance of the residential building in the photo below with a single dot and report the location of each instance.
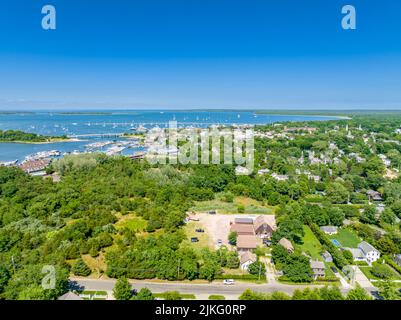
(245, 220)
(246, 258)
(318, 268)
(246, 243)
(374, 195)
(370, 252)
(279, 177)
(330, 230)
(262, 227)
(242, 229)
(286, 244)
(327, 256)
(365, 252)
(69, 296)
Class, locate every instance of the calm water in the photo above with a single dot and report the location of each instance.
(56, 124)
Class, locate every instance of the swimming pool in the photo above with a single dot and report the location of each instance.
(336, 243)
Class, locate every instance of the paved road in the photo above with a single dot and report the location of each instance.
(191, 288)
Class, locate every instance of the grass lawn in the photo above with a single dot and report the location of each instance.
(311, 245)
(205, 240)
(132, 222)
(251, 206)
(347, 238)
(369, 275)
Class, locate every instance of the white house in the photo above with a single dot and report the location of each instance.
(329, 229)
(247, 258)
(371, 253)
(365, 252)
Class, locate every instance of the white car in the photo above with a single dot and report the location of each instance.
(228, 281)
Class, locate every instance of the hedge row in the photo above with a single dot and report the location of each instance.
(391, 262)
(241, 277)
(338, 258)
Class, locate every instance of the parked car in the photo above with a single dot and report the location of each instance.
(200, 230)
(334, 269)
(194, 239)
(228, 281)
(219, 241)
(212, 212)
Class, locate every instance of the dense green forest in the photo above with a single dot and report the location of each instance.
(20, 136)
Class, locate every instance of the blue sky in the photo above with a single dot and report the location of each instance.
(281, 54)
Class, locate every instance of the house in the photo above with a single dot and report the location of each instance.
(374, 195)
(365, 252)
(242, 229)
(246, 243)
(370, 252)
(357, 254)
(263, 171)
(329, 229)
(262, 227)
(327, 256)
(69, 296)
(246, 258)
(279, 177)
(397, 259)
(380, 208)
(34, 166)
(318, 268)
(286, 244)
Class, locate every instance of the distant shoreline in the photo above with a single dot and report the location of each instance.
(42, 142)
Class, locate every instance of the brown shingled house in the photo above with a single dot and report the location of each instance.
(242, 229)
(246, 242)
(262, 227)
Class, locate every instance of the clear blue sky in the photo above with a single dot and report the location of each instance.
(200, 54)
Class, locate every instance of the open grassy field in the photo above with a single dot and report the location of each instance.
(311, 245)
(205, 240)
(132, 222)
(251, 206)
(347, 238)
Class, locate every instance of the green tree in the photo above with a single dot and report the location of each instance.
(257, 268)
(144, 294)
(358, 294)
(4, 277)
(388, 291)
(232, 260)
(348, 255)
(80, 268)
(232, 238)
(337, 193)
(122, 289)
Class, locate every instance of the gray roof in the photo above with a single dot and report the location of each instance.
(69, 296)
(366, 247)
(329, 228)
(315, 264)
(244, 220)
(356, 253)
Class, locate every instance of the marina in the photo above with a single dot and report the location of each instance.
(114, 132)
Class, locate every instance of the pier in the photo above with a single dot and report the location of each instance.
(101, 135)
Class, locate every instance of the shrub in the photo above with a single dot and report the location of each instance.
(216, 297)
